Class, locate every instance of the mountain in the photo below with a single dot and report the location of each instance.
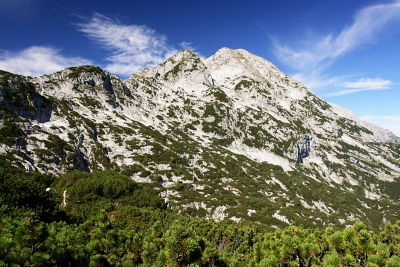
(225, 137)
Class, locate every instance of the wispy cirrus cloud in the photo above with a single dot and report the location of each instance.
(320, 52)
(316, 80)
(37, 60)
(369, 84)
(191, 47)
(311, 58)
(131, 46)
(187, 45)
(362, 85)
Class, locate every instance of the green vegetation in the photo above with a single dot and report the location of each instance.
(204, 167)
(109, 220)
(193, 61)
(322, 104)
(174, 70)
(195, 64)
(243, 84)
(215, 113)
(219, 94)
(6, 77)
(90, 102)
(20, 94)
(10, 132)
(57, 146)
(351, 126)
(77, 71)
(100, 159)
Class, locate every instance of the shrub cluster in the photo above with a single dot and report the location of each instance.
(106, 219)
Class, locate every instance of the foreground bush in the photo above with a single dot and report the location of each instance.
(109, 220)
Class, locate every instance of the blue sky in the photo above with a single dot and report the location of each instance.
(346, 52)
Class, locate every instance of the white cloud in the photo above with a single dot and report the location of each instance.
(349, 91)
(187, 45)
(312, 57)
(364, 84)
(369, 84)
(320, 52)
(391, 122)
(37, 60)
(131, 46)
(316, 80)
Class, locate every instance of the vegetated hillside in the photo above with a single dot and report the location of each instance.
(110, 220)
(227, 137)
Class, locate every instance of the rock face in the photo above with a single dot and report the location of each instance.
(221, 135)
(19, 96)
(304, 148)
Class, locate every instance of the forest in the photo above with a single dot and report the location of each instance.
(104, 218)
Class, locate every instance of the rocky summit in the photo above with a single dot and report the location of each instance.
(229, 137)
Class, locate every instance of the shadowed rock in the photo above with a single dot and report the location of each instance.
(20, 97)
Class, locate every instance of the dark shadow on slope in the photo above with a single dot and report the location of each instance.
(19, 96)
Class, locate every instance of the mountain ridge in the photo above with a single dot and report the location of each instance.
(220, 137)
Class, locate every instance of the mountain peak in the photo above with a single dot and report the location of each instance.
(214, 135)
(173, 64)
(239, 52)
(185, 53)
(234, 64)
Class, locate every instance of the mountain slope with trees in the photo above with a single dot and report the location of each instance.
(227, 137)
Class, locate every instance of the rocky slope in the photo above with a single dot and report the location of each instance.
(227, 137)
